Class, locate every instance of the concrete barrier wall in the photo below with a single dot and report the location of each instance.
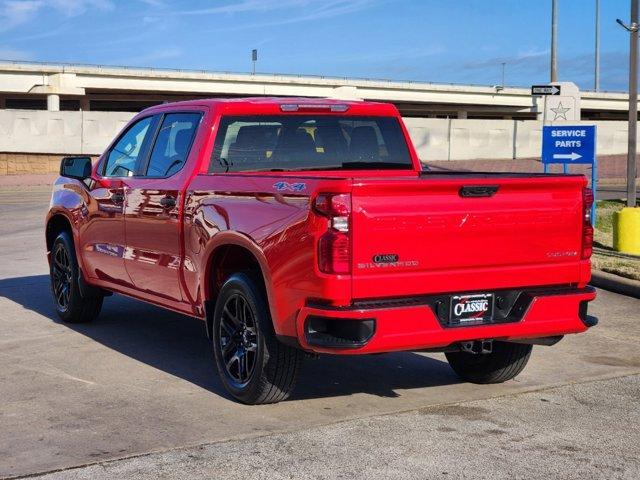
(472, 139)
(99, 128)
(44, 132)
(36, 131)
(527, 139)
(430, 137)
(453, 139)
(612, 137)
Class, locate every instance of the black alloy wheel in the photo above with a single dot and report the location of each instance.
(253, 365)
(238, 338)
(69, 301)
(62, 276)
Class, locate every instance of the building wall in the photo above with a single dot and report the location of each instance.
(27, 163)
(32, 141)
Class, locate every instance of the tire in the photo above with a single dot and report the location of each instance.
(253, 365)
(505, 362)
(64, 273)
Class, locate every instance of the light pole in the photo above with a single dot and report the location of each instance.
(554, 45)
(254, 59)
(504, 64)
(633, 103)
(596, 76)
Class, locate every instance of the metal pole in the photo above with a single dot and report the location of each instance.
(596, 79)
(254, 59)
(633, 106)
(503, 65)
(554, 44)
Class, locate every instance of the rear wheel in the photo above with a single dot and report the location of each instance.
(70, 305)
(505, 362)
(253, 365)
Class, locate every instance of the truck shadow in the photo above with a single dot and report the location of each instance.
(176, 344)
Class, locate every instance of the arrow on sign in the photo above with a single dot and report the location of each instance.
(545, 90)
(567, 156)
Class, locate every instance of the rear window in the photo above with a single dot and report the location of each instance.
(308, 142)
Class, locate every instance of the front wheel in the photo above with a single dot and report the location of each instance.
(505, 362)
(70, 305)
(253, 365)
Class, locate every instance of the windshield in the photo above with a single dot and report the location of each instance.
(308, 142)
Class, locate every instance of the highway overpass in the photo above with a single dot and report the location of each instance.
(54, 87)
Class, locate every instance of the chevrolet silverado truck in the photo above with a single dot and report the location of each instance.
(295, 227)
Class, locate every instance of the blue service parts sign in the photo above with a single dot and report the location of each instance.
(569, 144)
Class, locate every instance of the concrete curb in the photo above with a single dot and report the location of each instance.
(615, 283)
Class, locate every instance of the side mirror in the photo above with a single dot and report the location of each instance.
(76, 167)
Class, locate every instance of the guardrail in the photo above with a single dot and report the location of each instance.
(62, 65)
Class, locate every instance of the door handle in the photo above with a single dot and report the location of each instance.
(478, 190)
(117, 198)
(168, 201)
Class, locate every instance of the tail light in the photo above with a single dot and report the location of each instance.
(587, 228)
(334, 246)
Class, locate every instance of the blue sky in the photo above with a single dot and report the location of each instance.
(457, 41)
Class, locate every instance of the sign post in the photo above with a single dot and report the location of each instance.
(571, 144)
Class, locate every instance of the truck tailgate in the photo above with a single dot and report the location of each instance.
(435, 234)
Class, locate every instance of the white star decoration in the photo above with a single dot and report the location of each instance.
(560, 112)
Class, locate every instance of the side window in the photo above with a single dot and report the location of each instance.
(123, 156)
(173, 143)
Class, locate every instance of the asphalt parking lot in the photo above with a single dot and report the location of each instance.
(135, 395)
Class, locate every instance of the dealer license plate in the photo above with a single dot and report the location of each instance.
(471, 309)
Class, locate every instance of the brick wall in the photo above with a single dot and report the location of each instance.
(29, 163)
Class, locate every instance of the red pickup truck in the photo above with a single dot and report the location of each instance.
(294, 226)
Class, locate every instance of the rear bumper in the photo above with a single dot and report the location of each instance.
(412, 324)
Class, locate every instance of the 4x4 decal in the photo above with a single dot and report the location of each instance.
(291, 187)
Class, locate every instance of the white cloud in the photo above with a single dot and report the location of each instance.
(73, 8)
(154, 3)
(14, 12)
(17, 12)
(309, 10)
(50, 33)
(247, 6)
